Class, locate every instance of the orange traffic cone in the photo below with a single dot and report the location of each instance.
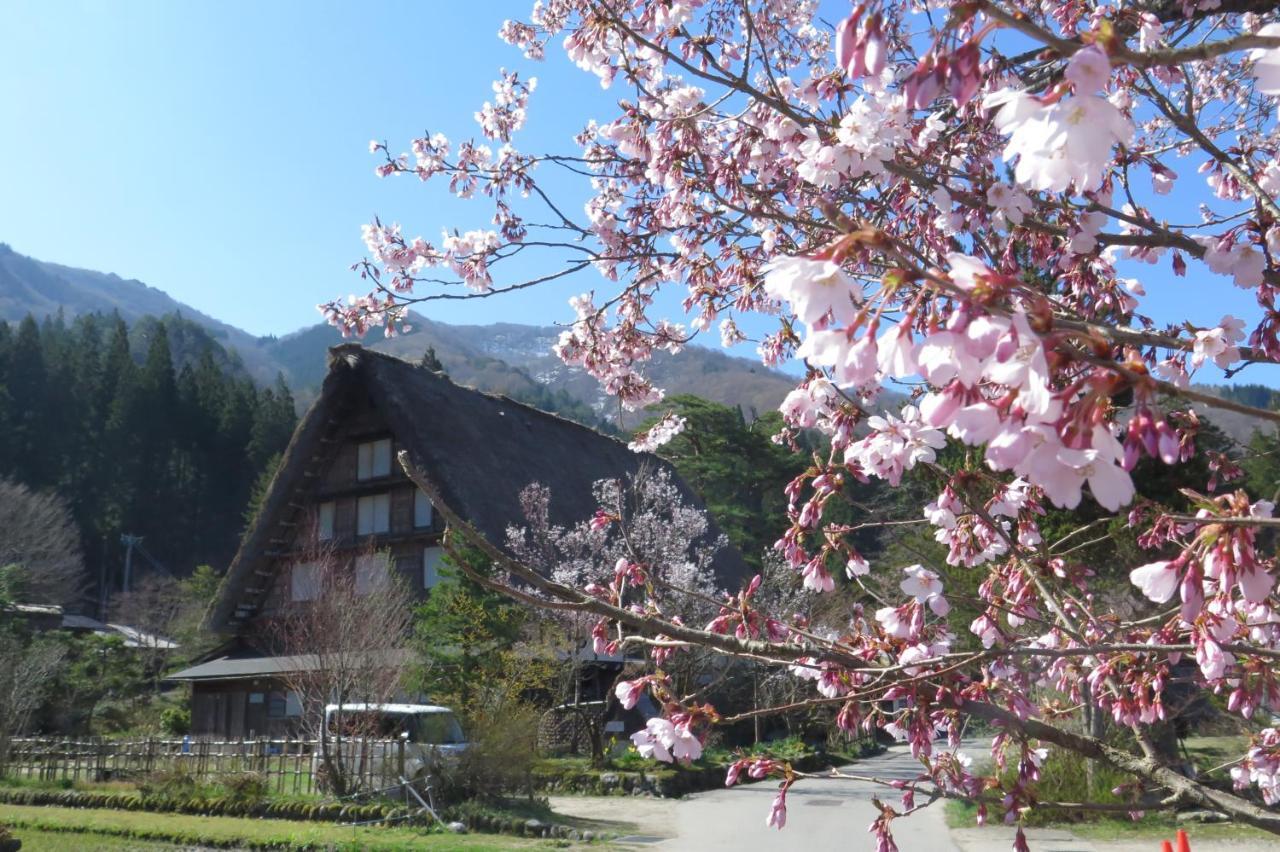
(1183, 844)
(1166, 846)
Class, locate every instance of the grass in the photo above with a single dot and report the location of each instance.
(1158, 826)
(1212, 752)
(1064, 778)
(35, 840)
(236, 833)
(24, 782)
(207, 790)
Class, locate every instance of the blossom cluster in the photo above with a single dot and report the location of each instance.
(948, 225)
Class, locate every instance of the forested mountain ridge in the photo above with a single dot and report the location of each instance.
(506, 358)
(138, 442)
(40, 288)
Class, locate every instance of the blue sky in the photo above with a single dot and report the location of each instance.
(219, 151)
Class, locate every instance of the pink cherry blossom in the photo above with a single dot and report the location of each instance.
(662, 740)
(849, 210)
(1219, 343)
(925, 586)
(630, 691)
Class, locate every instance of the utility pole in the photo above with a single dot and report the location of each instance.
(102, 590)
(129, 542)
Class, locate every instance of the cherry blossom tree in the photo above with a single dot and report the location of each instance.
(647, 537)
(967, 200)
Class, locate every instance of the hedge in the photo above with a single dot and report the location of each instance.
(288, 810)
(663, 782)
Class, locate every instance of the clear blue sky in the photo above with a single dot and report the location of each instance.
(219, 150)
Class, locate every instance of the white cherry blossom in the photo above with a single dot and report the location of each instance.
(1061, 145)
(814, 289)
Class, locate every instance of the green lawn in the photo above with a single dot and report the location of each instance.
(35, 840)
(229, 832)
(1157, 826)
(1210, 752)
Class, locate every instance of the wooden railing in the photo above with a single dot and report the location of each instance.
(287, 765)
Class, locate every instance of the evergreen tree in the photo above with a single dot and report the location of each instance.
(273, 423)
(736, 468)
(6, 403)
(460, 632)
(139, 446)
(28, 452)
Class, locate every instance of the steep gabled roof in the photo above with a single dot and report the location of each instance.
(481, 450)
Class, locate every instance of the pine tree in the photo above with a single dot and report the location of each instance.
(273, 423)
(29, 452)
(135, 445)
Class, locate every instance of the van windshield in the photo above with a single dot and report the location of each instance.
(436, 729)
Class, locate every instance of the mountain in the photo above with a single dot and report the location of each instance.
(506, 358)
(516, 360)
(41, 288)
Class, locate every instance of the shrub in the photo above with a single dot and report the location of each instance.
(246, 787)
(1066, 777)
(169, 784)
(499, 759)
(176, 721)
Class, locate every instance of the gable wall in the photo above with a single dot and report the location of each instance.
(338, 482)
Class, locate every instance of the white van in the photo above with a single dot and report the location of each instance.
(431, 733)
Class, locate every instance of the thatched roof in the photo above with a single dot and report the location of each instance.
(480, 450)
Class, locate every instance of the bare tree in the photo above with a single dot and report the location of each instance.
(38, 535)
(346, 644)
(24, 670)
(156, 608)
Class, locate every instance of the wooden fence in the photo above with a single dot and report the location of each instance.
(287, 765)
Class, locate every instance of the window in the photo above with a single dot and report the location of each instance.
(373, 514)
(304, 581)
(371, 572)
(324, 522)
(421, 510)
(431, 558)
(277, 705)
(374, 459)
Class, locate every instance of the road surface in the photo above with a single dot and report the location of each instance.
(830, 815)
(822, 815)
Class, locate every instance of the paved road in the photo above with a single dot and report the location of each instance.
(829, 815)
(821, 815)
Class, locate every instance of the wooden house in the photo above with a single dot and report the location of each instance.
(340, 481)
